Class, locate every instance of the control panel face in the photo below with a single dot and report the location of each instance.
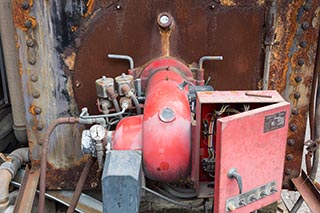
(241, 146)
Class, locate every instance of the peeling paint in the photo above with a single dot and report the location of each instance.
(69, 60)
(316, 19)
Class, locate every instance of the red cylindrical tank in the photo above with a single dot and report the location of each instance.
(166, 127)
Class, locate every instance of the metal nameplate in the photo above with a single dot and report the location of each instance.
(275, 121)
(254, 195)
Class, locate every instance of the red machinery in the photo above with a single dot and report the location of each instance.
(214, 144)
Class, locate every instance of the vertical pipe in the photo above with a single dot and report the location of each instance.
(11, 63)
(79, 187)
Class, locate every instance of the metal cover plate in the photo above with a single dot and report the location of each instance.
(258, 156)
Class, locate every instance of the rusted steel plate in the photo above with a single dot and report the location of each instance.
(308, 191)
(233, 29)
(291, 72)
(27, 191)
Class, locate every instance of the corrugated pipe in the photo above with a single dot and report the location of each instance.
(12, 70)
(7, 172)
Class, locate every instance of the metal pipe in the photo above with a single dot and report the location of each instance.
(82, 116)
(43, 163)
(136, 103)
(3, 77)
(117, 107)
(123, 57)
(12, 70)
(207, 58)
(8, 171)
(80, 184)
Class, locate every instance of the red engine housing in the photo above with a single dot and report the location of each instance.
(165, 128)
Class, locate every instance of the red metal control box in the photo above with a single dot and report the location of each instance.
(239, 149)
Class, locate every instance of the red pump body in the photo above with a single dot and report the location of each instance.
(164, 134)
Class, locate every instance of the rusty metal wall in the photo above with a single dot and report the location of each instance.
(63, 46)
(291, 73)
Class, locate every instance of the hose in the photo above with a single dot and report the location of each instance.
(43, 163)
(136, 103)
(116, 106)
(180, 193)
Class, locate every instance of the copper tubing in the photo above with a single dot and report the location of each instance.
(43, 165)
(80, 184)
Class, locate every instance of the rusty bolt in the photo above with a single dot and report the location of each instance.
(298, 79)
(25, 5)
(30, 42)
(295, 111)
(32, 60)
(289, 157)
(301, 61)
(39, 126)
(28, 23)
(293, 127)
(37, 110)
(303, 44)
(34, 78)
(297, 95)
(287, 171)
(305, 25)
(165, 20)
(291, 142)
(36, 94)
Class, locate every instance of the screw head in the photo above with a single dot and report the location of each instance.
(36, 94)
(289, 157)
(25, 5)
(37, 110)
(293, 127)
(28, 23)
(297, 95)
(305, 25)
(298, 79)
(34, 78)
(30, 42)
(291, 142)
(303, 44)
(301, 61)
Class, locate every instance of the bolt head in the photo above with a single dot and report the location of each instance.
(34, 78)
(30, 42)
(303, 44)
(301, 61)
(165, 20)
(297, 95)
(298, 79)
(289, 157)
(305, 26)
(25, 5)
(293, 127)
(28, 23)
(295, 111)
(291, 142)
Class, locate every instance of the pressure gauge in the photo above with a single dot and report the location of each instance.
(97, 132)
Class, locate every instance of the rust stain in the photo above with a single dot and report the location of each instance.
(227, 3)
(90, 6)
(316, 19)
(165, 42)
(20, 67)
(32, 110)
(20, 15)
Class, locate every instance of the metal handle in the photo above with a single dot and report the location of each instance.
(209, 58)
(123, 57)
(233, 174)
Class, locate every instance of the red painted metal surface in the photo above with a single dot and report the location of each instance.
(243, 143)
(128, 134)
(166, 127)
